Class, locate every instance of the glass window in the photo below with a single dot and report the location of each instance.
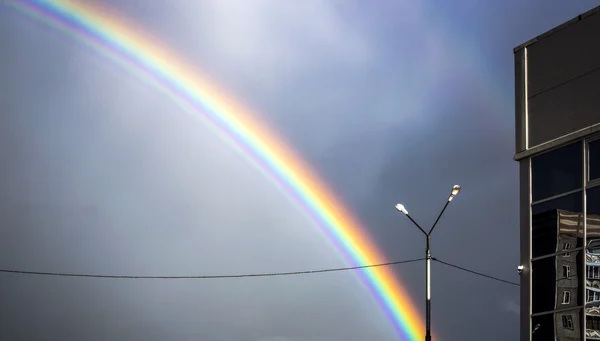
(542, 327)
(572, 202)
(568, 325)
(566, 247)
(592, 325)
(557, 172)
(593, 221)
(552, 277)
(543, 288)
(556, 224)
(593, 262)
(593, 295)
(564, 325)
(566, 271)
(566, 297)
(594, 159)
(567, 321)
(593, 269)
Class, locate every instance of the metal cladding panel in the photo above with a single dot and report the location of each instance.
(562, 79)
(565, 109)
(563, 55)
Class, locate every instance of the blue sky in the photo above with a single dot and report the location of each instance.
(393, 102)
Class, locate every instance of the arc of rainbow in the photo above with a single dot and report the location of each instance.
(116, 37)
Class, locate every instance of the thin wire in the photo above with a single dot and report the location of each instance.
(476, 273)
(209, 276)
(273, 274)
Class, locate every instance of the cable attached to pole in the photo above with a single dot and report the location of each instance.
(62, 274)
(272, 274)
(476, 273)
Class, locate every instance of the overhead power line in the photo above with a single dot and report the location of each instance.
(272, 274)
(61, 274)
(476, 273)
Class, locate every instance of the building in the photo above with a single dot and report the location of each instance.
(557, 111)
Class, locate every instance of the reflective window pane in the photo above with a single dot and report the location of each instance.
(594, 159)
(569, 280)
(592, 256)
(557, 225)
(543, 289)
(557, 172)
(592, 324)
(556, 281)
(593, 219)
(564, 325)
(568, 325)
(542, 327)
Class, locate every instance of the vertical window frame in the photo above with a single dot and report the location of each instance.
(566, 297)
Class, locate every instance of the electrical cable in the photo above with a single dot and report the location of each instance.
(208, 276)
(272, 274)
(476, 273)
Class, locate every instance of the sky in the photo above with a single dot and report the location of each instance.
(389, 102)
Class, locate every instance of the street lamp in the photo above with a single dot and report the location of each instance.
(401, 208)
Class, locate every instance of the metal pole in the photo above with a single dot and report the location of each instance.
(401, 208)
(439, 216)
(428, 292)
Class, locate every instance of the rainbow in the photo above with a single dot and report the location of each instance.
(123, 42)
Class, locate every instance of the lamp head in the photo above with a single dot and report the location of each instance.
(401, 208)
(455, 191)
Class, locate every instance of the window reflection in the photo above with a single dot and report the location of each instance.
(542, 327)
(569, 325)
(557, 172)
(593, 200)
(592, 309)
(557, 225)
(556, 282)
(572, 202)
(543, 275)
(594, 159)
(564, 325)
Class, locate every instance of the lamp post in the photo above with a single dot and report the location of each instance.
(402, 209)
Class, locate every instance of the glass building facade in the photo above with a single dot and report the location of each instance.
(565, 242)
(557, 112)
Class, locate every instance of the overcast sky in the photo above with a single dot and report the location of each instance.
(389, 101)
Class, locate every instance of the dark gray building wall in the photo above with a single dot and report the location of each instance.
(557, 76)
(570, 107)
(564, 54)
(557, 101)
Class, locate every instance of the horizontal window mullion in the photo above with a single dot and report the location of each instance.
(593, 183)
(561, 310)
(557, 254)
(558, 196)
